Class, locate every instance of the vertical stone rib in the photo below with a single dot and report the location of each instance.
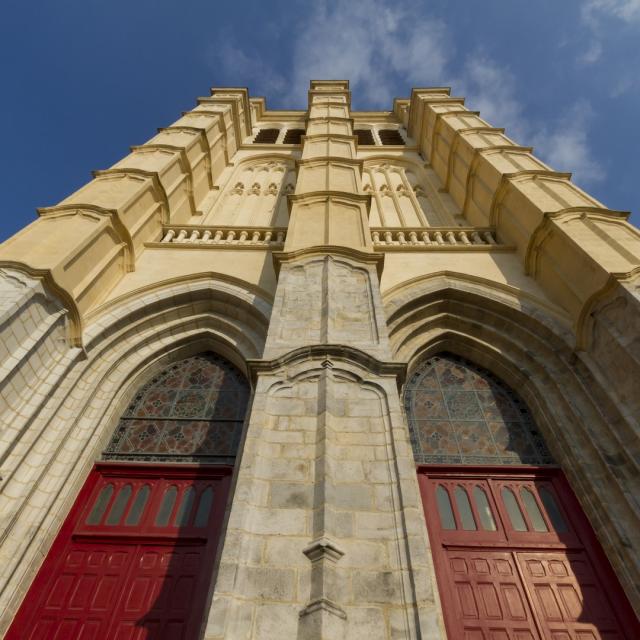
(322, 617)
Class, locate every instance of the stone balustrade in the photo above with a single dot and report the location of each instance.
(249, 236)
(433, 237)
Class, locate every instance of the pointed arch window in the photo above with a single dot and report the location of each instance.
(191, 412)
(462, 414)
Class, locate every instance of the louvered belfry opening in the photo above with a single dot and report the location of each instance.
(365, 136)
(390, 136)
(267, 136)
(293, 136)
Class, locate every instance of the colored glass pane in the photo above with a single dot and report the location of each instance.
(513, 510)
(444, 508)
(184, 510)
(138, 506)
(192, 411)
(204, 508)
(100, 505)
(553, 511)
(119, 505)
(464, 509)
(460, 413)
(166, 507)
(484, 510)
(533, 510)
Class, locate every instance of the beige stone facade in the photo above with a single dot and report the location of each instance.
(324, 270)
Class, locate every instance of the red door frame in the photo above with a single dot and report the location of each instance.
(67, 534)
(570, 504)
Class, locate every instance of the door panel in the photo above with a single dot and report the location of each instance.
(134, 559)
(491, 599)
(567, 596)
(523, 562)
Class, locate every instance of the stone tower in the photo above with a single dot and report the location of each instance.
(321, 374)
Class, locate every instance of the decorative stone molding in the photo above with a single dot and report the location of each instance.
(435, 238)
(329, 352)
(221, 237)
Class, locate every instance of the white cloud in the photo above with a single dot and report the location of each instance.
(592, 54)
(376, 46)
(368, 43)
(565, 146)
(594, 13)
(237, 63)
(492, 90)
(563, 143)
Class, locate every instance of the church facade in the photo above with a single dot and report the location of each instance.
(321, 374)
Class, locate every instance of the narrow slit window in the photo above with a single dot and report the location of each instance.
(166, 507)
(365, 137)
(204, 508)
(184, 510)
(267, 136)
(119, 505)
(390, 136)
(444, 508)
(464, 509)
(513, 510)
(533, 510)
(100, 505)
(484, 509)
(293, 136)
(553, 511)
(138, 506)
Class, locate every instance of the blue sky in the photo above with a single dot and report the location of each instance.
(82, 80)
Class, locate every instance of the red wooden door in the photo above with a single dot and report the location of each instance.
(516, 558)
(134, 559)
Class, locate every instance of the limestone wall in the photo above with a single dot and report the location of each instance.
(324, 283)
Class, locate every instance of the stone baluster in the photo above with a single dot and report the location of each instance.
(425, 237)
(255, 237)
(169, 236)
(375, 236)
(488, 237)
(280, 237)
(195, 234)
(231, 235)
(413, 237)
(464, 238)
(451, 237)
(206, 235)
(401, 238)
(218, 237)
(267, 237)
(388, 237)
(243, 237)
(181, 236)
(475, 236)
(438, 236)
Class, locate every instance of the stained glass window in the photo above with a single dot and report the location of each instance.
(191, 412)
(462, 414)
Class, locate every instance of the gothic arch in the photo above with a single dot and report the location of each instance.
(525, 345)
(126, 346)
(459, 413)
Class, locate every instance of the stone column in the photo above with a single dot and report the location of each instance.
(326, 536)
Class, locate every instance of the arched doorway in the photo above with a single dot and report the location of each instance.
(515, 556)
(134, 558)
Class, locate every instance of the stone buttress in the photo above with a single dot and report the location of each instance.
(326, 537)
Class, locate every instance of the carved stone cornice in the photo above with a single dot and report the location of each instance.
(281, 257)
(329, 352)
